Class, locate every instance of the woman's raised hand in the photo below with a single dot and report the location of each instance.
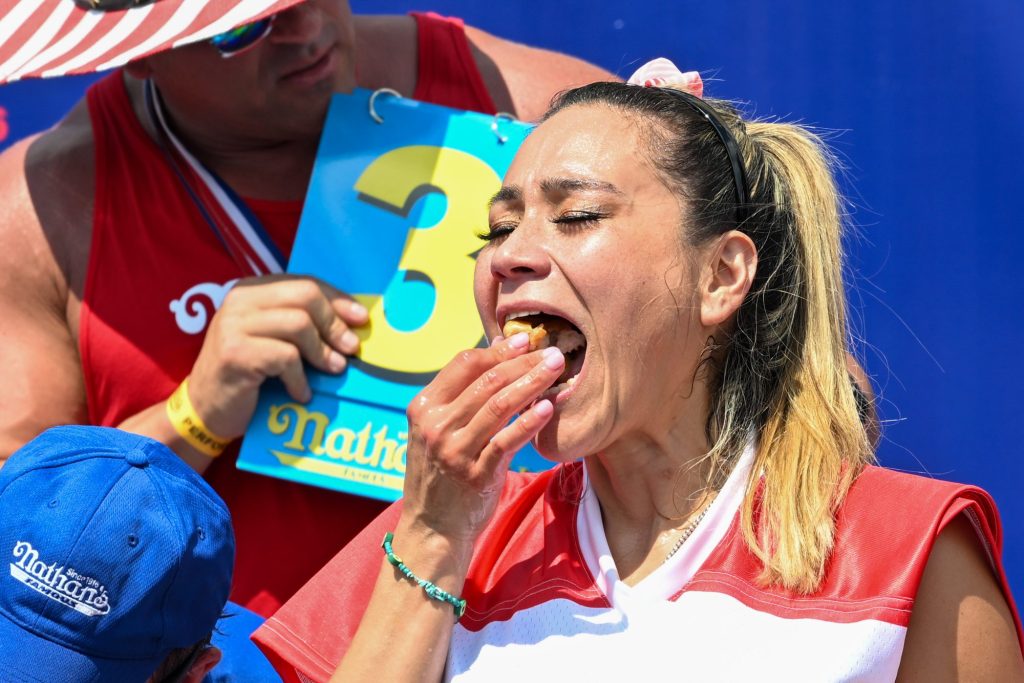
(460, 438)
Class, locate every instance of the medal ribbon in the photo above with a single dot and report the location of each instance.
(232, 222)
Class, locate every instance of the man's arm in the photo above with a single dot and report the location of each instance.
(265, 327)
(40, 371)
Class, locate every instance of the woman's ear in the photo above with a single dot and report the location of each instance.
(207, 659)
(727, 277)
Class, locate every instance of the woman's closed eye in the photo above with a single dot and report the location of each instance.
(574, 221)
(568, 222)
(497, 231)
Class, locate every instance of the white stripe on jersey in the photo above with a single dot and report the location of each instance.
(700, 637)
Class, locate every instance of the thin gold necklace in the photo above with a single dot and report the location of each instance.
(689, 529)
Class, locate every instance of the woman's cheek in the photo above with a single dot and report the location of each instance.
(485, 289)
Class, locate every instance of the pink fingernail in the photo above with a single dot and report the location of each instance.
(553, 358)
(336, 361)
(350, 340)
(543, 408)
(519, 340)
(497, 340)
(359, 310)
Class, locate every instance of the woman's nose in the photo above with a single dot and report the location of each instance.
(518, 257)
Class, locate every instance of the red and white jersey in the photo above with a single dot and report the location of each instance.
(545, 600)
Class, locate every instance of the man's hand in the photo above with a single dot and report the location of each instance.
(266, 327)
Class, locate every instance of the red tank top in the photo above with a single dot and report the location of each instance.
(151, 247)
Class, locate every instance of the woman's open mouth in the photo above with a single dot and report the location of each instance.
(547, 330)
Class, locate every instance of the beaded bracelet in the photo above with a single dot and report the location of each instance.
(431, 589)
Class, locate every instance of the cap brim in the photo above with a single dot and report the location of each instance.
(47, 38)
(29, 658)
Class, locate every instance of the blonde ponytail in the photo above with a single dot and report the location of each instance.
(813, 442)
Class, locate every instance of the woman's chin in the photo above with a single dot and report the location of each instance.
(557, 442)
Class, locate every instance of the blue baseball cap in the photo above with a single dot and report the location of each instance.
(119, 553)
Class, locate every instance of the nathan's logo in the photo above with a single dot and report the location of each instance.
(81, 593)
(368, 455)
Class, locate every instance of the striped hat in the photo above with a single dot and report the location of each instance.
(44, 38)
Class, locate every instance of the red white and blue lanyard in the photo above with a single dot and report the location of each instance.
(232, 222)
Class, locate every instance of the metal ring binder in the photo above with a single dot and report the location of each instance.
(373, 98)
(494, 125)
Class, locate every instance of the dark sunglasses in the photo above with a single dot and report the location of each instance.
(241, 38)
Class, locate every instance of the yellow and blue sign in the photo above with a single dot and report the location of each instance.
(392, 217)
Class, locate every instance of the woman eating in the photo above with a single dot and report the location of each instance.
(661, 284)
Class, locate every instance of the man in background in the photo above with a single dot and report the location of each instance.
(122, 276)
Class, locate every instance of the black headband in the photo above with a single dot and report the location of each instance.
(731, 148)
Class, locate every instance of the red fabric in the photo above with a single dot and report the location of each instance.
(884, 536)
(530, 554)
(149, 246)
(447, 70)
(314, 629)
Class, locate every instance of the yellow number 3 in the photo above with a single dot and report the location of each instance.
(443, 253)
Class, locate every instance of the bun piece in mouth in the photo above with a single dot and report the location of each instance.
(538, 335)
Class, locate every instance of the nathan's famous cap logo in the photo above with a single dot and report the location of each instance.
(81, 593)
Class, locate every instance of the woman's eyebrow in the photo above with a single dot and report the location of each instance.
(570, 185)
(513, 193)
(509, 193)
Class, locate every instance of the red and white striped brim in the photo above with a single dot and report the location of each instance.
(44, 38)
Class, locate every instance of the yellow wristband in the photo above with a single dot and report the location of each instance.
(188, 424)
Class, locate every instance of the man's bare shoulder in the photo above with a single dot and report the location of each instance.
(45, 223)
(46, 182)
(62, 158)
(521, 79)
(532, 76)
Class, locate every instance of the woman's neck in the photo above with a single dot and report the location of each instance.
(650, 486)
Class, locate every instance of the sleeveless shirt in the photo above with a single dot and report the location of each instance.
(156, 275)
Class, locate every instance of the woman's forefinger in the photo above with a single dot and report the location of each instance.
(468, 366)
(487, 406)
